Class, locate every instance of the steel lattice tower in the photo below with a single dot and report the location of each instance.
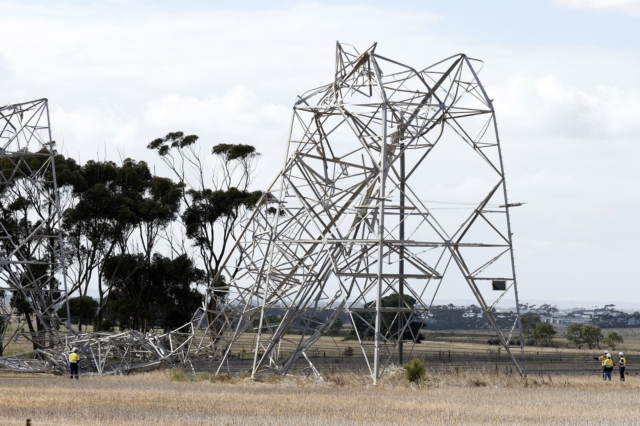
(32, 261)
(348, 225)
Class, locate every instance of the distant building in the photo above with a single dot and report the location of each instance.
(564, 320)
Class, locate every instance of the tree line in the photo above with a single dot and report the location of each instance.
(534, 331)
(144, 242)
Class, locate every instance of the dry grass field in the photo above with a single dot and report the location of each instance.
(174, 398)
(455, 391)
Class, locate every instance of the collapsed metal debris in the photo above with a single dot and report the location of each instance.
(106, 353)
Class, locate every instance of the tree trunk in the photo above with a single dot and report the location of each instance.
(32, 331)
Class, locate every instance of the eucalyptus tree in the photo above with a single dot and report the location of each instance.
(215, 199)
(97, 226)
(389, 321)
(156, 203)
(93, 224)
(128, 302)
(82, 309)
(161, 295)
(120, 213)
(175, 297)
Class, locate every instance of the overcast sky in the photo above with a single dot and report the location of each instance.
(563, 75)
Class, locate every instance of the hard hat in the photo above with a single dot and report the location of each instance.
(608, 355)
(606, 351)
(621, 354)
(74, 349)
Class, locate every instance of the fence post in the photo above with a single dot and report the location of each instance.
(28, 422)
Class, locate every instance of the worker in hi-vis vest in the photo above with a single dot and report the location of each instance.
(602, 359)
(622, 365)
(74, 359)
(608, 367)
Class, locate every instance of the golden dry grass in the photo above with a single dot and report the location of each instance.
(173, 398)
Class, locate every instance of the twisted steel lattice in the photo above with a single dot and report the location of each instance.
(346, 226)
(351, 226)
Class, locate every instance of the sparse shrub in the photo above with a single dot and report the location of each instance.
(177, 375)
(389, 323)
(529, 323)
(348, 351)
(336, 328)
(269, 378)
(223, 378)
(332, 377)
(574, 335)
(493, 341)
(613, 339)
(199, 377)
(415, 370)
(350, 336)
(544, 333)
(530, 342)
(592, 335)
(107, 325)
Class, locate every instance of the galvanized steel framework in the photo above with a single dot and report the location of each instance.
(352, 224)
(32, 263)
(346, 224)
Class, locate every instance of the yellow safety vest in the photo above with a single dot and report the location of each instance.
(74, 357)
(623, 362)
(608, 362)
(602, 359)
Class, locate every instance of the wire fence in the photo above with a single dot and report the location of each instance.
(445, 361)
(29, 422)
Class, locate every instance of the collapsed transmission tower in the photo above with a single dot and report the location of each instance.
(32, 267)
(393, 188)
